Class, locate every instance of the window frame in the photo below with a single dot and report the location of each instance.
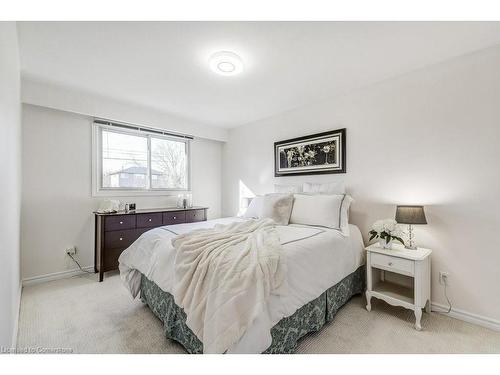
(97, 181)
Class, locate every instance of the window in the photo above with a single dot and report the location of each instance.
(168, 164)
(135, 160)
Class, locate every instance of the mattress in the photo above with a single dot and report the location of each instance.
(317, 259)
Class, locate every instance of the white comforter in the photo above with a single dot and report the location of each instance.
(317, 258)
(224, 277)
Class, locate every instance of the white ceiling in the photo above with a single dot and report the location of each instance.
(287, 64)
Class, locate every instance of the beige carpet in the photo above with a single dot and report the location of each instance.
(90, 317)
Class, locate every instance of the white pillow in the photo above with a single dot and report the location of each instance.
(277, 207)
(288, 189)
(327, 188)
(254, 208)
(344, 215)
(319, 210)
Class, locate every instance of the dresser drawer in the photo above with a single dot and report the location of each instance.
(195, 215)
(149, 220)
(111, 258)
(119, 238)
(140, 231)
(174, 217)
(119, 222)
(393, 264)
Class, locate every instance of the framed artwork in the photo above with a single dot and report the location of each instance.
(312, 154)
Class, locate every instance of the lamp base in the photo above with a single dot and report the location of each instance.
(410, 247)
(411, 240)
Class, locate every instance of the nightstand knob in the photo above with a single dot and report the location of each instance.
(121, 222)
(175, 217)
(149, 219)
(121, 238)
(390, 263)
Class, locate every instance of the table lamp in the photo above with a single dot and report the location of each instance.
(410, 215)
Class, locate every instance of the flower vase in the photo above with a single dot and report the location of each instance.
(385, 245)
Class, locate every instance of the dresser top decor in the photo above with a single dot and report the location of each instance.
(150, 210)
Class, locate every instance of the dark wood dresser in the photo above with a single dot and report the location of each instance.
(115, 232)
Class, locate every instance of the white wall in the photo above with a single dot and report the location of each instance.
(64, 98)
(430, 137)
(10, 181)
(57, 204)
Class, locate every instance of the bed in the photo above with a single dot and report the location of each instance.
(336, 262)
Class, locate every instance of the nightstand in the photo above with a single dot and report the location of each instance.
(415, 264)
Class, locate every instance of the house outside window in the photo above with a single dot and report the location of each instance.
(138, 161)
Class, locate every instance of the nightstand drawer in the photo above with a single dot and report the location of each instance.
(393, 264)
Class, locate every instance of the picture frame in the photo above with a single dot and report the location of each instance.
(319, 153)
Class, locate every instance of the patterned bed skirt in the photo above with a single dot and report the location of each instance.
(285, 334)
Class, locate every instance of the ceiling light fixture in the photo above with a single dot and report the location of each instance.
(226, 63)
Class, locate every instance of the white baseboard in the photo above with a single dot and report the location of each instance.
(466, 316)
(55, 276)
(16, 319)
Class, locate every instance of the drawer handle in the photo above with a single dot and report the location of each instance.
(390, 263)
(149, 219)
(121, 238)
(121, 222)
(175, 217)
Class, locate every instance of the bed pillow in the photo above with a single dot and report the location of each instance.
(327, 188)
(277, 207)
(318, 209)
(254, 208)
(344, 215)
(288, 189)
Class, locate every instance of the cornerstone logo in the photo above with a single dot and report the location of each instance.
(35, 350)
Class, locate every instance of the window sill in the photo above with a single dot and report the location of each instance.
(137, 193)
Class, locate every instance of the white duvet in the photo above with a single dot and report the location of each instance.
(317, 258)
(224, 277)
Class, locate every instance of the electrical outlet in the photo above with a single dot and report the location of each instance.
(444, 278)
(71, 250)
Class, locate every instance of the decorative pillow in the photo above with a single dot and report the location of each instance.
(254, 208)
(277, 207)
(288, 189)
(318, 209)
(327, 188)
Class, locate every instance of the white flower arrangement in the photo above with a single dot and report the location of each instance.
(387, 230)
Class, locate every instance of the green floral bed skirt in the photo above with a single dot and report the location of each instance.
(285, 334)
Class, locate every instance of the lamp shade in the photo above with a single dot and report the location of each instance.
(410, 215)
